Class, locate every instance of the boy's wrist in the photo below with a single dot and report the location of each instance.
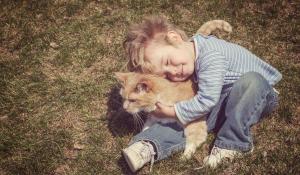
(178, 116)
(170, 112)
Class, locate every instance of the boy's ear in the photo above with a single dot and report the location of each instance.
(121, 76)
(174, 37)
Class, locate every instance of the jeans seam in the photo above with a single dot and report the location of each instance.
(256, 106)
(233, 146)
(177, 146)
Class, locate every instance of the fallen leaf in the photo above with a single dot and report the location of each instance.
(78, 146)
(54, 45)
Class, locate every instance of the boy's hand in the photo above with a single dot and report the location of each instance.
(164, 111)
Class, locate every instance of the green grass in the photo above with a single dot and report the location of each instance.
(56, 97)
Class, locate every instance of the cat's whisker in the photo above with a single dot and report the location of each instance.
(136, 122)
(139, 121)
(141, 125)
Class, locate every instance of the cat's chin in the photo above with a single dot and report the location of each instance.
(150, 109)
(133, 111)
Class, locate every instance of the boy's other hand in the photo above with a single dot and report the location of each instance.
(163, 110)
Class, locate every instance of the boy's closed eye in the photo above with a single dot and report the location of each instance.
(167, 62)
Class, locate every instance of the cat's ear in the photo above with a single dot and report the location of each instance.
(121, 76)
(144, 85)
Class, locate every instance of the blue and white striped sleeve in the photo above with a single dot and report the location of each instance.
(210, 76)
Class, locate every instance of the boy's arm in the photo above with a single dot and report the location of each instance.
(210, 82)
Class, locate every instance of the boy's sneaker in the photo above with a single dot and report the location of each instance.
(138, 154)
(218, 154)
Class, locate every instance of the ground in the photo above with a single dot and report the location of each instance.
(60, 112)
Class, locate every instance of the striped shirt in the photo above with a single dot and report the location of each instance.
(219, 64)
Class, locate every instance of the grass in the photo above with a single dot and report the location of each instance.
(59, 108)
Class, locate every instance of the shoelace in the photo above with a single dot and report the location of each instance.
(214, 151)
(147, 152)
(275, 90)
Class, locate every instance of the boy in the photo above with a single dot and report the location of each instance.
(234, 90)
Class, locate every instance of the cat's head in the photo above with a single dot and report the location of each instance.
(137, 92)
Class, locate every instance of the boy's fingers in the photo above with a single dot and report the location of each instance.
(159, 105)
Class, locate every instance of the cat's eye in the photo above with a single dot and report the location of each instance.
(131, 100)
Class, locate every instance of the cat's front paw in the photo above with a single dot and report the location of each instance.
(189, 151)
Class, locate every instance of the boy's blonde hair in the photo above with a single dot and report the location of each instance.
(151, 29)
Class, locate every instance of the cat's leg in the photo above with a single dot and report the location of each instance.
(196, 134)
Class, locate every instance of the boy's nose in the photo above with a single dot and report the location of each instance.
(171, 70)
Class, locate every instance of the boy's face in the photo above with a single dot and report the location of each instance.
(175, 63)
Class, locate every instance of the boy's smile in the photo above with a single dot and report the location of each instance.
(176, 62)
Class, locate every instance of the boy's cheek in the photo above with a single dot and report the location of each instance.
(164, 75)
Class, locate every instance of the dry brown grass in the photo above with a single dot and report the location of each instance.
(60, 112)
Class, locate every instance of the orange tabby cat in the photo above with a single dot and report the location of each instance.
(140, 93)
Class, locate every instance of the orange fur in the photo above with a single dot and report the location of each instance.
(141, 91)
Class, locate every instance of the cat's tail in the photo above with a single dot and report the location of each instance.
(210, 26)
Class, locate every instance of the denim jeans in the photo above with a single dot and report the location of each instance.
(241, 105)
